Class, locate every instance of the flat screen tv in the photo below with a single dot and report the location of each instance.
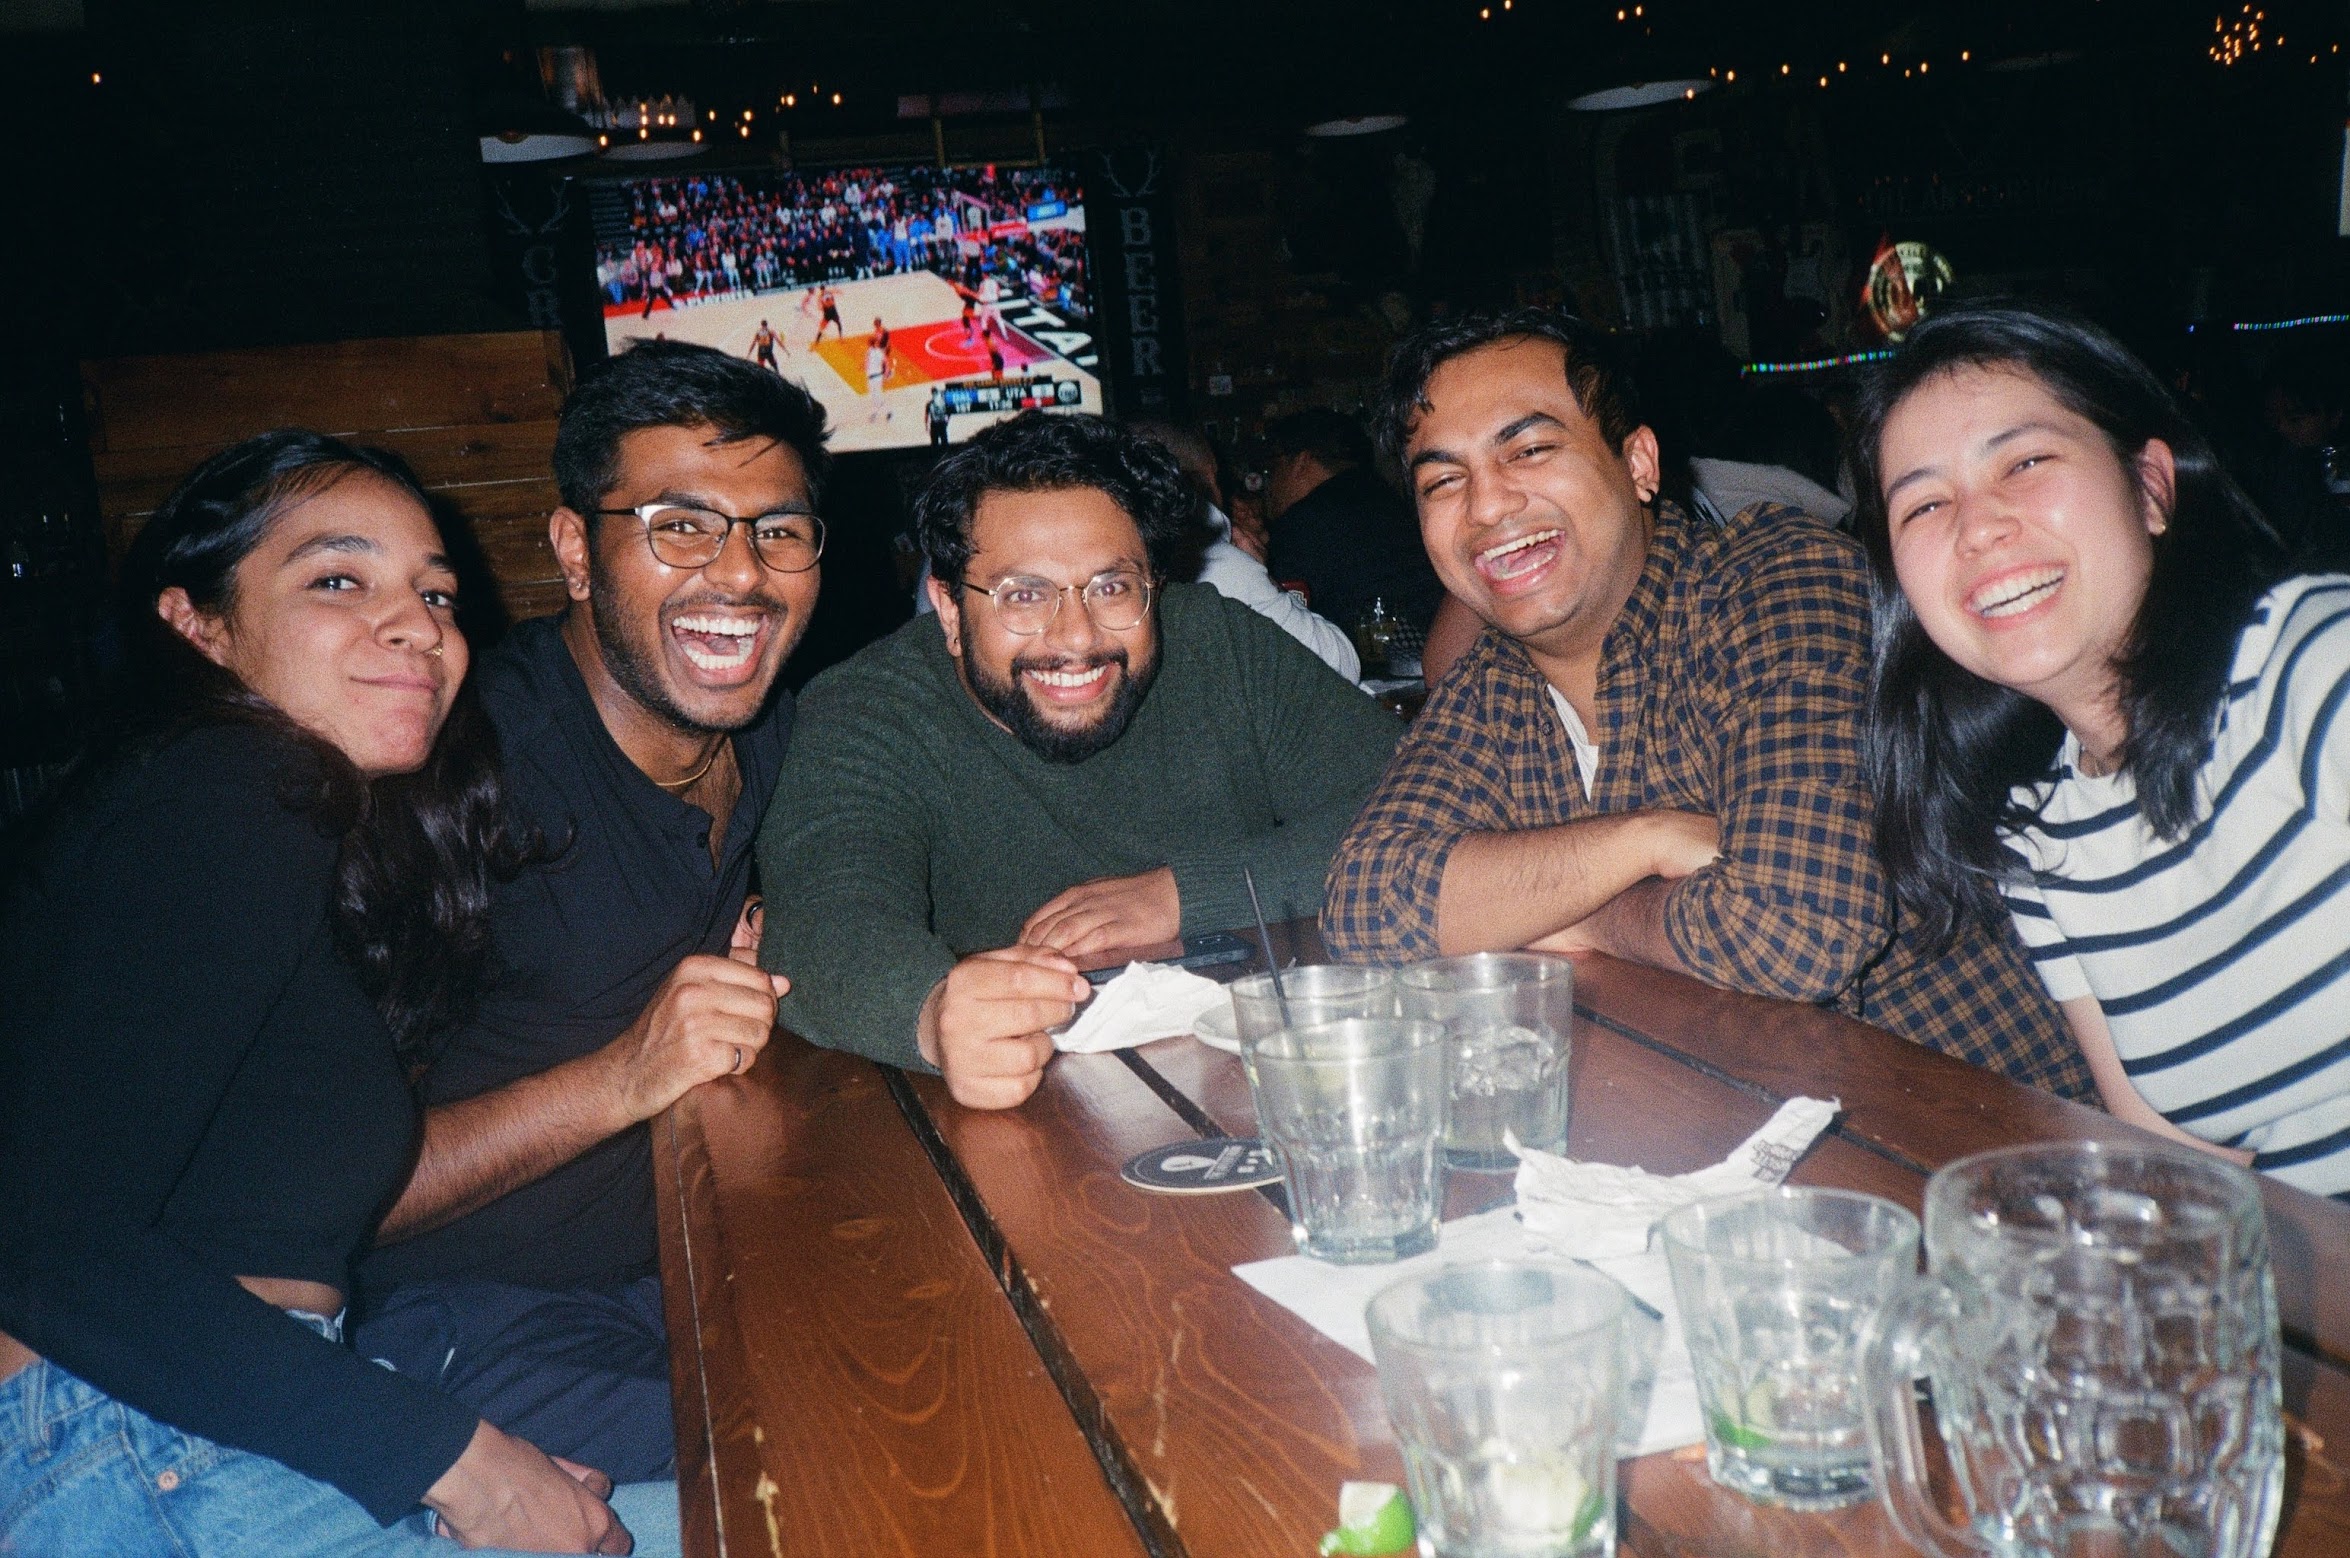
(919, 304)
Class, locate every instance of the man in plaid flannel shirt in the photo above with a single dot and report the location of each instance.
(1652, 750)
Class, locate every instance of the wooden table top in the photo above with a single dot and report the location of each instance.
(899, 1326)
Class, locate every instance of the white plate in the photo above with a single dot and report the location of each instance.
(1214, 1028)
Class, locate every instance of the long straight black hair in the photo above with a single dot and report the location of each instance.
(419, 850)
(1947, 750)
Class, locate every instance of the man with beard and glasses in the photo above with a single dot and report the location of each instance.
(1076, 756)
(640, 732)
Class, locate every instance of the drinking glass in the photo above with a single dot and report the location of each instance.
(2100, 1330)
(1316, 993)
(1774, 1289)
(1355, 1110)
(1510, 1018)
(1505, 1383)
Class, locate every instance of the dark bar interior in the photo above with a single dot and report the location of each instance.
(1471, 766)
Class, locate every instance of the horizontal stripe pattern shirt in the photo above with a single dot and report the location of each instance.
(1731, 683)
(2222, 958)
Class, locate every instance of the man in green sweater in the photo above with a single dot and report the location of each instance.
(1084, 759)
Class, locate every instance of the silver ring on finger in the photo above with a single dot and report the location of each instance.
(740, 1059)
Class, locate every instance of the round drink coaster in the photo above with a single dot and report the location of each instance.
(1204, 1168)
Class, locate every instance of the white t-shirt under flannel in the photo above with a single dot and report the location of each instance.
(2222, 960)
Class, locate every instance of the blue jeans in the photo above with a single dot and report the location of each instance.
(84, 1476)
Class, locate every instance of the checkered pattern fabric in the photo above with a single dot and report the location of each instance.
(1731, 684)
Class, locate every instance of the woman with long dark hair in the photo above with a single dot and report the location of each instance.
(219, 965)
(2102, 707)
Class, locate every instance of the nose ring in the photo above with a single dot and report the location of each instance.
(434, 651)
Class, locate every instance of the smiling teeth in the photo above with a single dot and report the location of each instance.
(731, 627)
(1495, 561)
(1068, 678)
(2020, 593)
(1519, 545)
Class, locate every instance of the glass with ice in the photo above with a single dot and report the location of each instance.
(1775, 1287)
(1355, 1111)
(1509, 1017)
(1505, 1383)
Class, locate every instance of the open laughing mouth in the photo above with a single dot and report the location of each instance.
(722, 648)
(1518, 560)
(2016, 593)
(1064, 685)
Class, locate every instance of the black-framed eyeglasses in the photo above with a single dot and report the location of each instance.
(787, 541)
(1116, 599)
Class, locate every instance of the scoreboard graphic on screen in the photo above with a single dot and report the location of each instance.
(1014, 395)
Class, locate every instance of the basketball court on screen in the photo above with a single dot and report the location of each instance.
(923, 313)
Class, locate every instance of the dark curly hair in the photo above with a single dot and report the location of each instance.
(1037, 452)
(1596, 371)
(1947, 750)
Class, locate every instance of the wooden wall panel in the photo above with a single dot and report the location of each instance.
(474, 414)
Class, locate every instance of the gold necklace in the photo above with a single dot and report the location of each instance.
(680, 784)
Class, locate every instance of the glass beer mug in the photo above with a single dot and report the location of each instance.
(2100, 1331)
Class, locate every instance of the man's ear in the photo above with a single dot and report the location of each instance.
(567, 533)
(208, 633)
(945, 601)
(1645, 464)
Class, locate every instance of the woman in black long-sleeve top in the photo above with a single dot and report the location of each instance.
(207, 967)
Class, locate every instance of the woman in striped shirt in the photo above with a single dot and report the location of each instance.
(2104, 706)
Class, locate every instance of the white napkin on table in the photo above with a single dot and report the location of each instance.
(1599, 1210)
(1148, 1001)
(1596, 1213)
(1661, 1411)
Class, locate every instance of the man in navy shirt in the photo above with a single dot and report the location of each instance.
(641, 732)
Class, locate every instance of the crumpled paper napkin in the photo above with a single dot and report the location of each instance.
(1599, 1210)
(1148, 1001)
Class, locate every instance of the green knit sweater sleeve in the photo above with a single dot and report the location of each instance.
(844, 862)
(1319, 745)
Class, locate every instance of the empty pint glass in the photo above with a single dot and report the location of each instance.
(2100, 1330)
(1355, 1111)
(1505, 1382)
(1509, 1018)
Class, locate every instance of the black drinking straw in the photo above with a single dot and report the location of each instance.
(1265, 938)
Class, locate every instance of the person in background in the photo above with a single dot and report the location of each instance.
(641, 732)
(1077, 755)
(243, 927)
(1774, 444)
(1234, 573)
(1653, 748)
(1338, 531)
(1243, 487)
(2301, 462)
(2105, 711)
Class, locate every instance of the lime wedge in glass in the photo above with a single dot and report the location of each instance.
(1374, 1519)
(1756, 1411)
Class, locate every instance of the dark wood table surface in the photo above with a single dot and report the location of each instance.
(898, 1326)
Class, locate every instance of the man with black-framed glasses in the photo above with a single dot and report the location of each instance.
(1077, 756)
(641, 732)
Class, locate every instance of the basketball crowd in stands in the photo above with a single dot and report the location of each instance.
(715, 234)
